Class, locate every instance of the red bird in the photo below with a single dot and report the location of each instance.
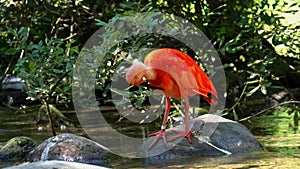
(177, 75)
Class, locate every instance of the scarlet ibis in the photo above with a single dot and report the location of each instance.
(177, 75)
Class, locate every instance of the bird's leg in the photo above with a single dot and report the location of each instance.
(162, 132)
(187, 133)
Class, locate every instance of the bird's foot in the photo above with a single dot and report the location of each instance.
(186, 134)
(160, 134)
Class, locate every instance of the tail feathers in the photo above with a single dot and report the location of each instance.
(210, 100)
(208, 96)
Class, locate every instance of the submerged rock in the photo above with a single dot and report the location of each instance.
(55, 164)
(213, 135)
(69, 147)
(17, 148)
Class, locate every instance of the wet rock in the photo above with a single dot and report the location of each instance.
(13, 91)
(213, 135)
(55, 164)
(13, 83)
(17, 148)
(69, 147)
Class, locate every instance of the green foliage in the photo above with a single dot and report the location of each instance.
(119, 44)
(246, 34)
(70, 21)
(43, 65)
(39, 41)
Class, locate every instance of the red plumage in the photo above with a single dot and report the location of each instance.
(178, 75)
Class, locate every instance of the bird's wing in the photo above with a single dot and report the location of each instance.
(185, 71)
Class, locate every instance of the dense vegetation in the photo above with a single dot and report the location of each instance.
(257, 41)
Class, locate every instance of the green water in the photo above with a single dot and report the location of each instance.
(13, 123)
(275, 132)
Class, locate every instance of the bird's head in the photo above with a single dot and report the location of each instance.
(137, 73)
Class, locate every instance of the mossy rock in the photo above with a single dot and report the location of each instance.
(17, 148)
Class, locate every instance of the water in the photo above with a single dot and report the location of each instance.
(281, 143)
(44, 155)
(13, 123)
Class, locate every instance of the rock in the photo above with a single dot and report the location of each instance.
(13, 91)
(17, 148)
(213, 135)
(12, 97)
(69, 147)
(54, 164)
(13, 83)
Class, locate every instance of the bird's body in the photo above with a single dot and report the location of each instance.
(177, 75)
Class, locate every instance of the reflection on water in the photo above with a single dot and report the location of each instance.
(17, 124)
(282, 148)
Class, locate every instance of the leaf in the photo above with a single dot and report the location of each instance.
(100, 23)
(263, 89)
(267, 84)
(57, 71)
(139, 101)
(235, 116)
(253, 91)
(69, 66)
(252, 81)
(11, 51)
(294, 4)
(262, 68)
(296, 118)
(12, 31)
(59, 90)
(115, 18)
(22, 32)
(255, 62)
(120, 92)
(276, 40)
(67, 88)
(32, 66)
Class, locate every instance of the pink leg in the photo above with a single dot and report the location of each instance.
(187, 133)
(162, 132)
